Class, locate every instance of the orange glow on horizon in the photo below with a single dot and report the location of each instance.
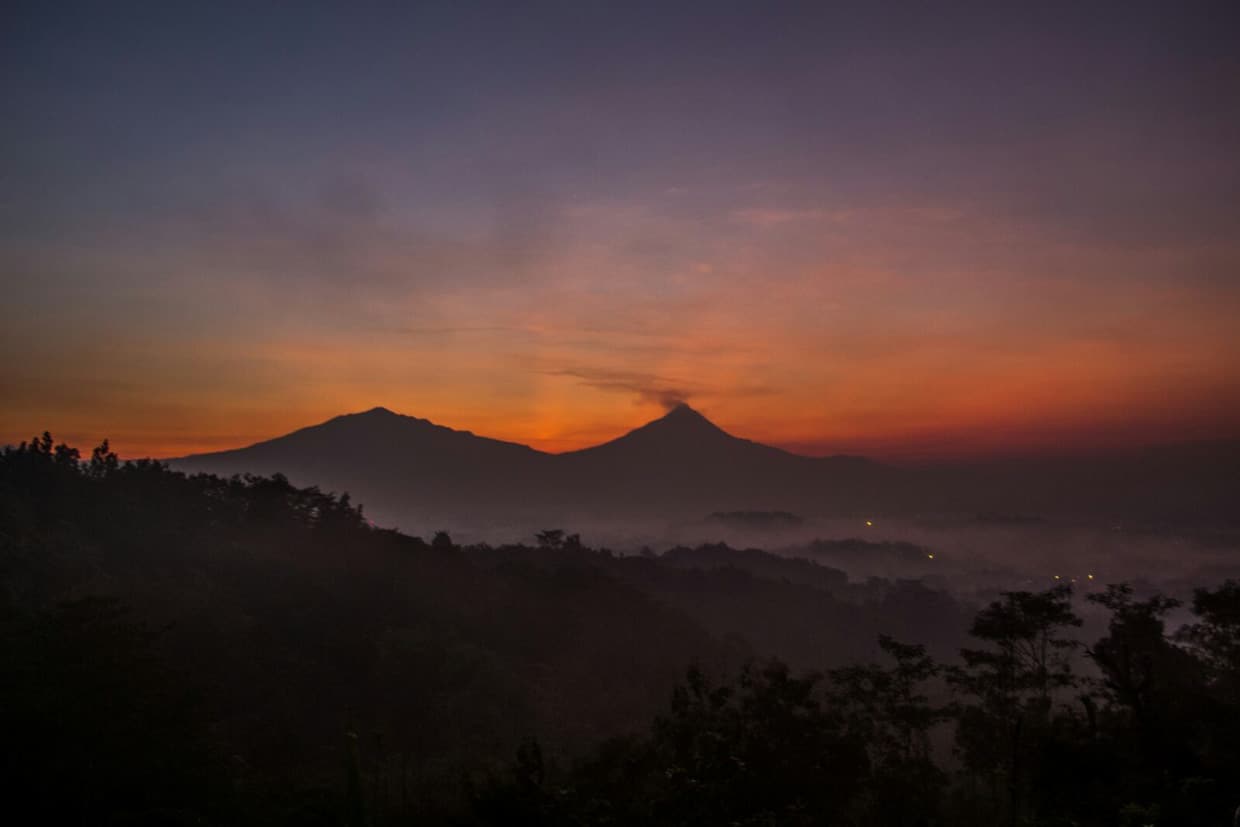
(853, 358)
(1007, 431)
(775, 232)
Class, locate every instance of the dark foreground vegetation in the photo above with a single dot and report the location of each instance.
(198, 650)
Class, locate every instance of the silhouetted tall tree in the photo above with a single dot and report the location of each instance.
(1010, 689)
(887, 709)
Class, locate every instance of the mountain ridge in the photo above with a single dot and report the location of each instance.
(408, 470)
(678, 417)
(402, 466)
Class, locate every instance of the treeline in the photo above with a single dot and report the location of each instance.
(1152, 739)
(201, 646)
(192, 649)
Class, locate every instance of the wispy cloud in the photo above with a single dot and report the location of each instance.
(646, 387)
(650, 388)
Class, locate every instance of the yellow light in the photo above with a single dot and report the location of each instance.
(1057, 577)
(1090, 576)
(931, 556)
(868, 522)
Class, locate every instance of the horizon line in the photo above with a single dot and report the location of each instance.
(907, 459)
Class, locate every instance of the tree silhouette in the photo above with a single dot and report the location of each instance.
(888, 710)
(1011, 688)
(188, 649)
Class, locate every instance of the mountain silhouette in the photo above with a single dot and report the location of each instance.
(680, 430)
(685, 458)
(402, 468)
(415, 474)
(406, 469)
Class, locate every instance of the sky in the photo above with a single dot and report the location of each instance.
(905, 230)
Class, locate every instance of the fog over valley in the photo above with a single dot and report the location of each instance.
(1164, 516)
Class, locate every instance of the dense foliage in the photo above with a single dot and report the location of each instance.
(191, 649)
(1152, 737)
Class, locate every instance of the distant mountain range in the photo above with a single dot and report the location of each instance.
(414, 473)
(404, 468)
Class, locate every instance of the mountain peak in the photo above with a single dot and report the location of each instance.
(682, 415)
(683, 441)
(681, 422)
(376, 417)
(682, 410)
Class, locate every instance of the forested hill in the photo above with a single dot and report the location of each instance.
(153, 619)
(198, 650)
(276, 619)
